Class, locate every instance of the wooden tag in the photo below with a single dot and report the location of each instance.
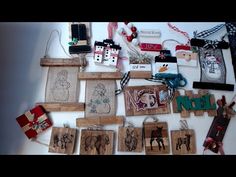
(130, 139)
(63, 62)
(62, 84)
(62, 140)
(144, 100)
(106, 120)
(197, 103)
(99, 75)
(49, 107)
(156, 138)
(183, 142)
(96, 142)
(100, 98)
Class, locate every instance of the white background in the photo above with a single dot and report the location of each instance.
(23, 83)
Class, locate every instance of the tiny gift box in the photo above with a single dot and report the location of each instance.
(34, 122)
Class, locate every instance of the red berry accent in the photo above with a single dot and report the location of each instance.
(129, 38)
(124, 33)
(133, 29)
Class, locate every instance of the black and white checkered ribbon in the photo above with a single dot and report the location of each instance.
(208, 32)
(231, 28)
(211, 44)
(125, 79)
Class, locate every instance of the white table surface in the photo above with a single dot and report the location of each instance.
(23, 83)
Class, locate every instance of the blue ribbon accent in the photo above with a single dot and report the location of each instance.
(172, 80)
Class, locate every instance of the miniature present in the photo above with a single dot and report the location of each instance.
(34, 122)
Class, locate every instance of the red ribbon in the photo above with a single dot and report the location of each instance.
(111, 28)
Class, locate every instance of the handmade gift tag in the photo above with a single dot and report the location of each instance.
(197, 103)
(183, 141)
(130, 139)
(62, 140)
(144, 100)
(34, 122)
(100, 98)
(96, 142)
(62, 84)
(165, 63)
(156, 137)
(219, 126)
(185, 56)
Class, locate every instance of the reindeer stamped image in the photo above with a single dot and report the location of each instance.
(130, 139)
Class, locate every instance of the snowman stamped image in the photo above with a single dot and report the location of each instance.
(100, 103)
(60, 89)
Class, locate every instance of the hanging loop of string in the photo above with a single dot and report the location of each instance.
(180, 31)
(47, 45)
(169, 40)
(183, 125)
(95, 127)
(128, 123)
(155, 119)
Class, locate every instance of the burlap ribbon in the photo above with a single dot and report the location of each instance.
(37, 124)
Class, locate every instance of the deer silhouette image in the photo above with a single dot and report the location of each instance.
(130, 140)
(99, 142)
(183, 140)
(157, 135)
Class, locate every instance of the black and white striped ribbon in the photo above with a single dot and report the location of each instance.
(125, 79)
(208, 32)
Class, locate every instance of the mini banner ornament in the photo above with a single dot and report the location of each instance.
(156, 138)
(96, 142)
(183, 142)
(130, 139)
(100, 98)
(62, 84)
(34, 122)
(62, 140)
(146, 100)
